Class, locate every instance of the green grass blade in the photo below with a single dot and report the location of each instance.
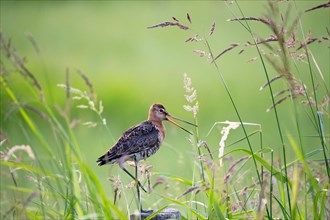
(25, 116)
(323, 143)
(308, 155)
(271, 93)
(175, 178)
(214, 200)
(96, 188)
(295, 191)
(319, 205)
(276, 172)
(156, 213)
(29, 168)
(304, 162)
(193, 211)
(286, 215)
(323, 203)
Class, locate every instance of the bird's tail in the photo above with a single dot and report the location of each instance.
(106, 158)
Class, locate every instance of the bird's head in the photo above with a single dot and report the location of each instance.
(158, 112)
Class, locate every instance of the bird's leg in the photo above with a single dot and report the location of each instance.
(137, 187)
(138, 182)
(121, 165)
(138, 192)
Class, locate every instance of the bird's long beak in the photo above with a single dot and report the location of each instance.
(171, 116)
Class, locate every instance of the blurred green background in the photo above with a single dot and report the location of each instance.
(132, 67)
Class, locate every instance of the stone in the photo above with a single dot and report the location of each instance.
(168, 213)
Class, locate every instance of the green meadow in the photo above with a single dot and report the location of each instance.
(253, 75)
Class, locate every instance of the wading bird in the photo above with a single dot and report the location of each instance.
(140, 142)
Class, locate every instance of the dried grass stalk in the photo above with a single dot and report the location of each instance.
(16, 148)
(232, 46)
(265, 21)
(170, 23)
(212, 29)
(325, 5)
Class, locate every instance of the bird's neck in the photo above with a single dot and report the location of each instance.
(158, 123)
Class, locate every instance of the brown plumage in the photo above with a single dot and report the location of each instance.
(140, 142)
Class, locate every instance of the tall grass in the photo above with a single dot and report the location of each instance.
(275, 193)
(62, 186)
(57, 183)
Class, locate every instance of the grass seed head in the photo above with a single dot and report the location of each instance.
(11, 152)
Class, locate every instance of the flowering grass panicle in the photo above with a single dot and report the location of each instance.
(225, 132)
(6, 155)
(91, 102)
(191, 95)
(283, 46)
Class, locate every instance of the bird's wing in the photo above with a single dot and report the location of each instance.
(141, 136)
